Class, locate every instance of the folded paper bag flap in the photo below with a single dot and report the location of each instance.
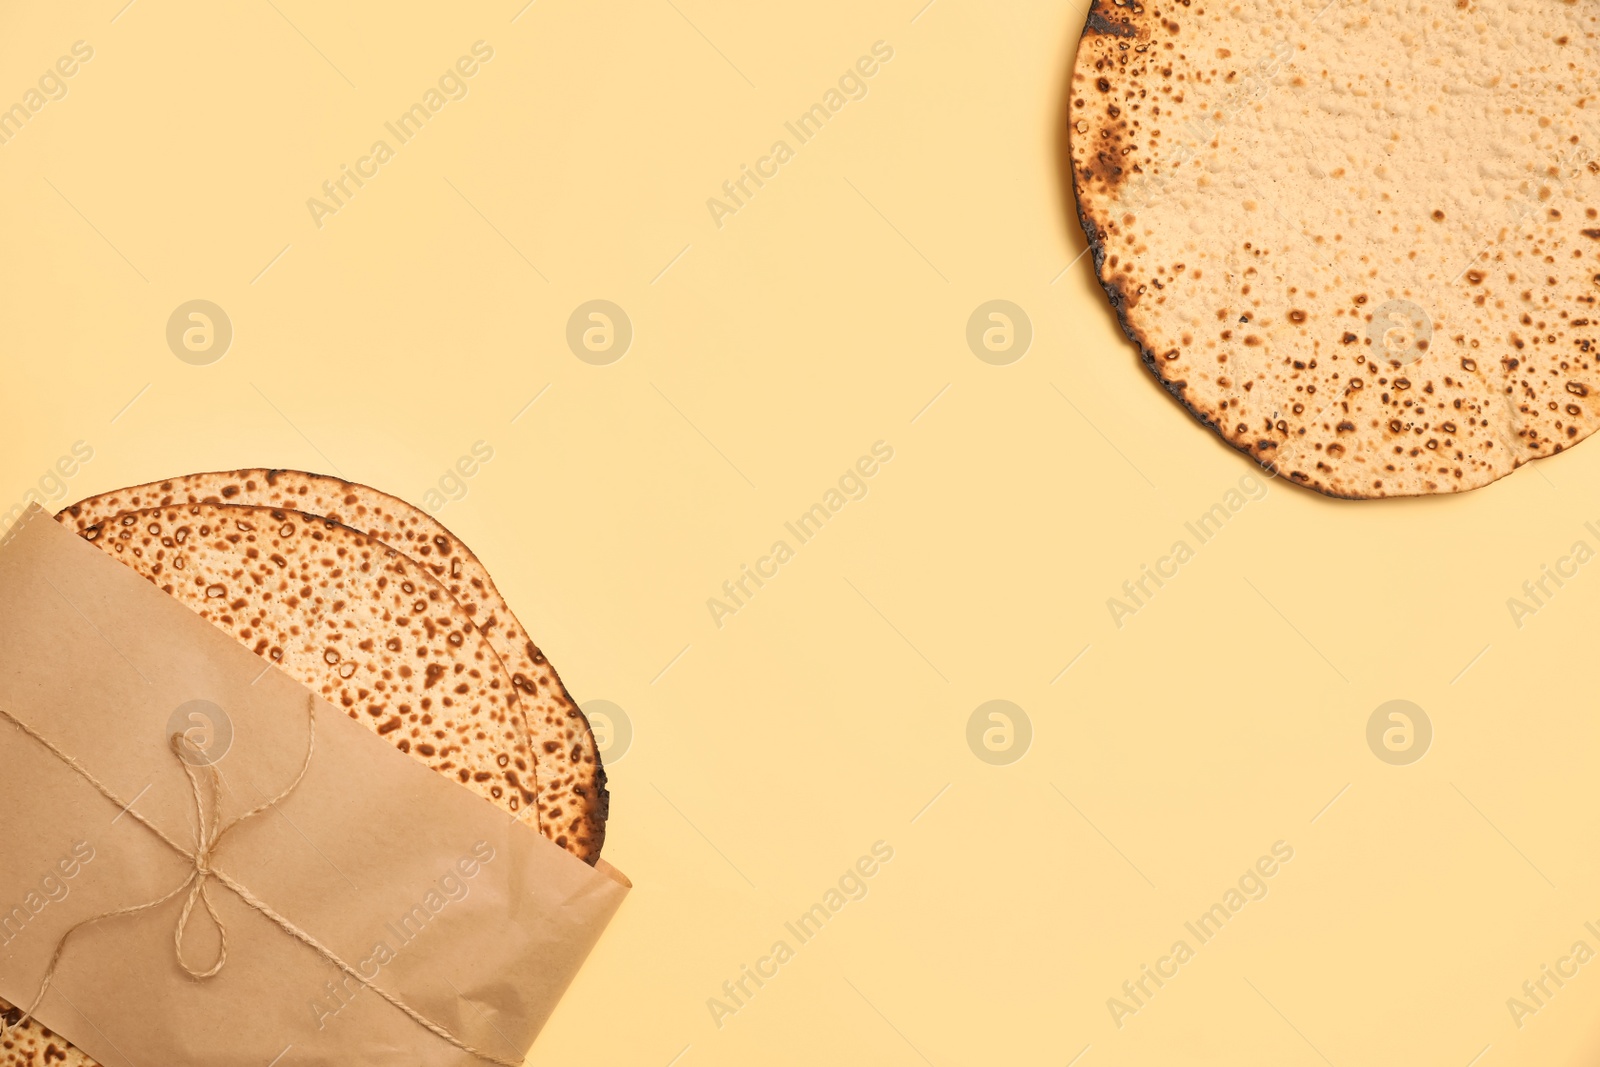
(441, 900)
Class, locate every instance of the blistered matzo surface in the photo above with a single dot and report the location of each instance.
(350, 617)
(572, 796)
(1285, 200)
(32, 1045)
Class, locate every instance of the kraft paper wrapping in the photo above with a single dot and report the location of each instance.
(469, 917)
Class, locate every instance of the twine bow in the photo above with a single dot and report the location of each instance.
(210, 829)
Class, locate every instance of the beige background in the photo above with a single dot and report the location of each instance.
(768, 355)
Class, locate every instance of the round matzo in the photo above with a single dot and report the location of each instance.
(1356, 238)
(573, 800)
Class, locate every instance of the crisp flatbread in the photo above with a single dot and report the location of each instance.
(573, 800)
(1359, 239)
(33, 1045)
(362, 625)
(358, 622)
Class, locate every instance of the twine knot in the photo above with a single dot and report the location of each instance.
(209, 832)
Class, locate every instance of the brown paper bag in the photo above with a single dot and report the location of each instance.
(471, 919)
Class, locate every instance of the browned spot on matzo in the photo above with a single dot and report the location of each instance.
(1396, 200)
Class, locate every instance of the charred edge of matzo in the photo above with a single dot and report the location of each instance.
(1111, 20)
